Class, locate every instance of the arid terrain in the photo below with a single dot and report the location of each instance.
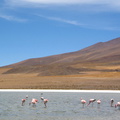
(93, 68)
(85, 80)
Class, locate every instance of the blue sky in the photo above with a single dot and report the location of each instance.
(39, 28)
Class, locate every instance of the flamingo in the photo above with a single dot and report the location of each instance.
(112, 101)
(26, 96)
(42, 98)
(34, 101)
(117, 105)
(23, 101)
(45, 101)
(83, 102)
(98, 102)
(91, 101)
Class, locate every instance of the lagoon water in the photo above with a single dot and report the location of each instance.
(61, 106)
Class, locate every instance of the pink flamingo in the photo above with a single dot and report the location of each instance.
(23, 101)
(117, 105)
(34, 101)
(91, 101)
(112, 101)
(98, 102)
(45, 101)
(83, 102)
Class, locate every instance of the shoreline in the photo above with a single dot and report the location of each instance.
(54, 90)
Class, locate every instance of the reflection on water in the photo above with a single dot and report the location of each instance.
(61, 106)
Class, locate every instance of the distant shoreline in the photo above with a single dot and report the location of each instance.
(49, 90)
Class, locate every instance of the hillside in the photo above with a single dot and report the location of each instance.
(102, 54)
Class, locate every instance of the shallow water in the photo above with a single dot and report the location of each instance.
(61, 106)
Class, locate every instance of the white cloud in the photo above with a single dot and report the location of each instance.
(72, 22)
(76, 23)
(12, 18)
(108, 4)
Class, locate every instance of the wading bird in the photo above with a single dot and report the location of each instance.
(111, 102)
(33, 102)
(45, 102)
(98, 102)
(42, 98)
(91, 101)
(26, 96)
(117, 105)
(83, 102)
(23, 101)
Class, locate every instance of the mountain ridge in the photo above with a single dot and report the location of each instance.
(62, 64)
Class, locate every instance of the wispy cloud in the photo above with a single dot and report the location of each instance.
(76, 23)
(86, 8)
(66, 1)
(106, 4)
(72, 22)
(12, 18)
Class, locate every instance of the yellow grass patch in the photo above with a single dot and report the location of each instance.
(89, 80)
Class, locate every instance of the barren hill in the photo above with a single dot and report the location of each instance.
(87, 59)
